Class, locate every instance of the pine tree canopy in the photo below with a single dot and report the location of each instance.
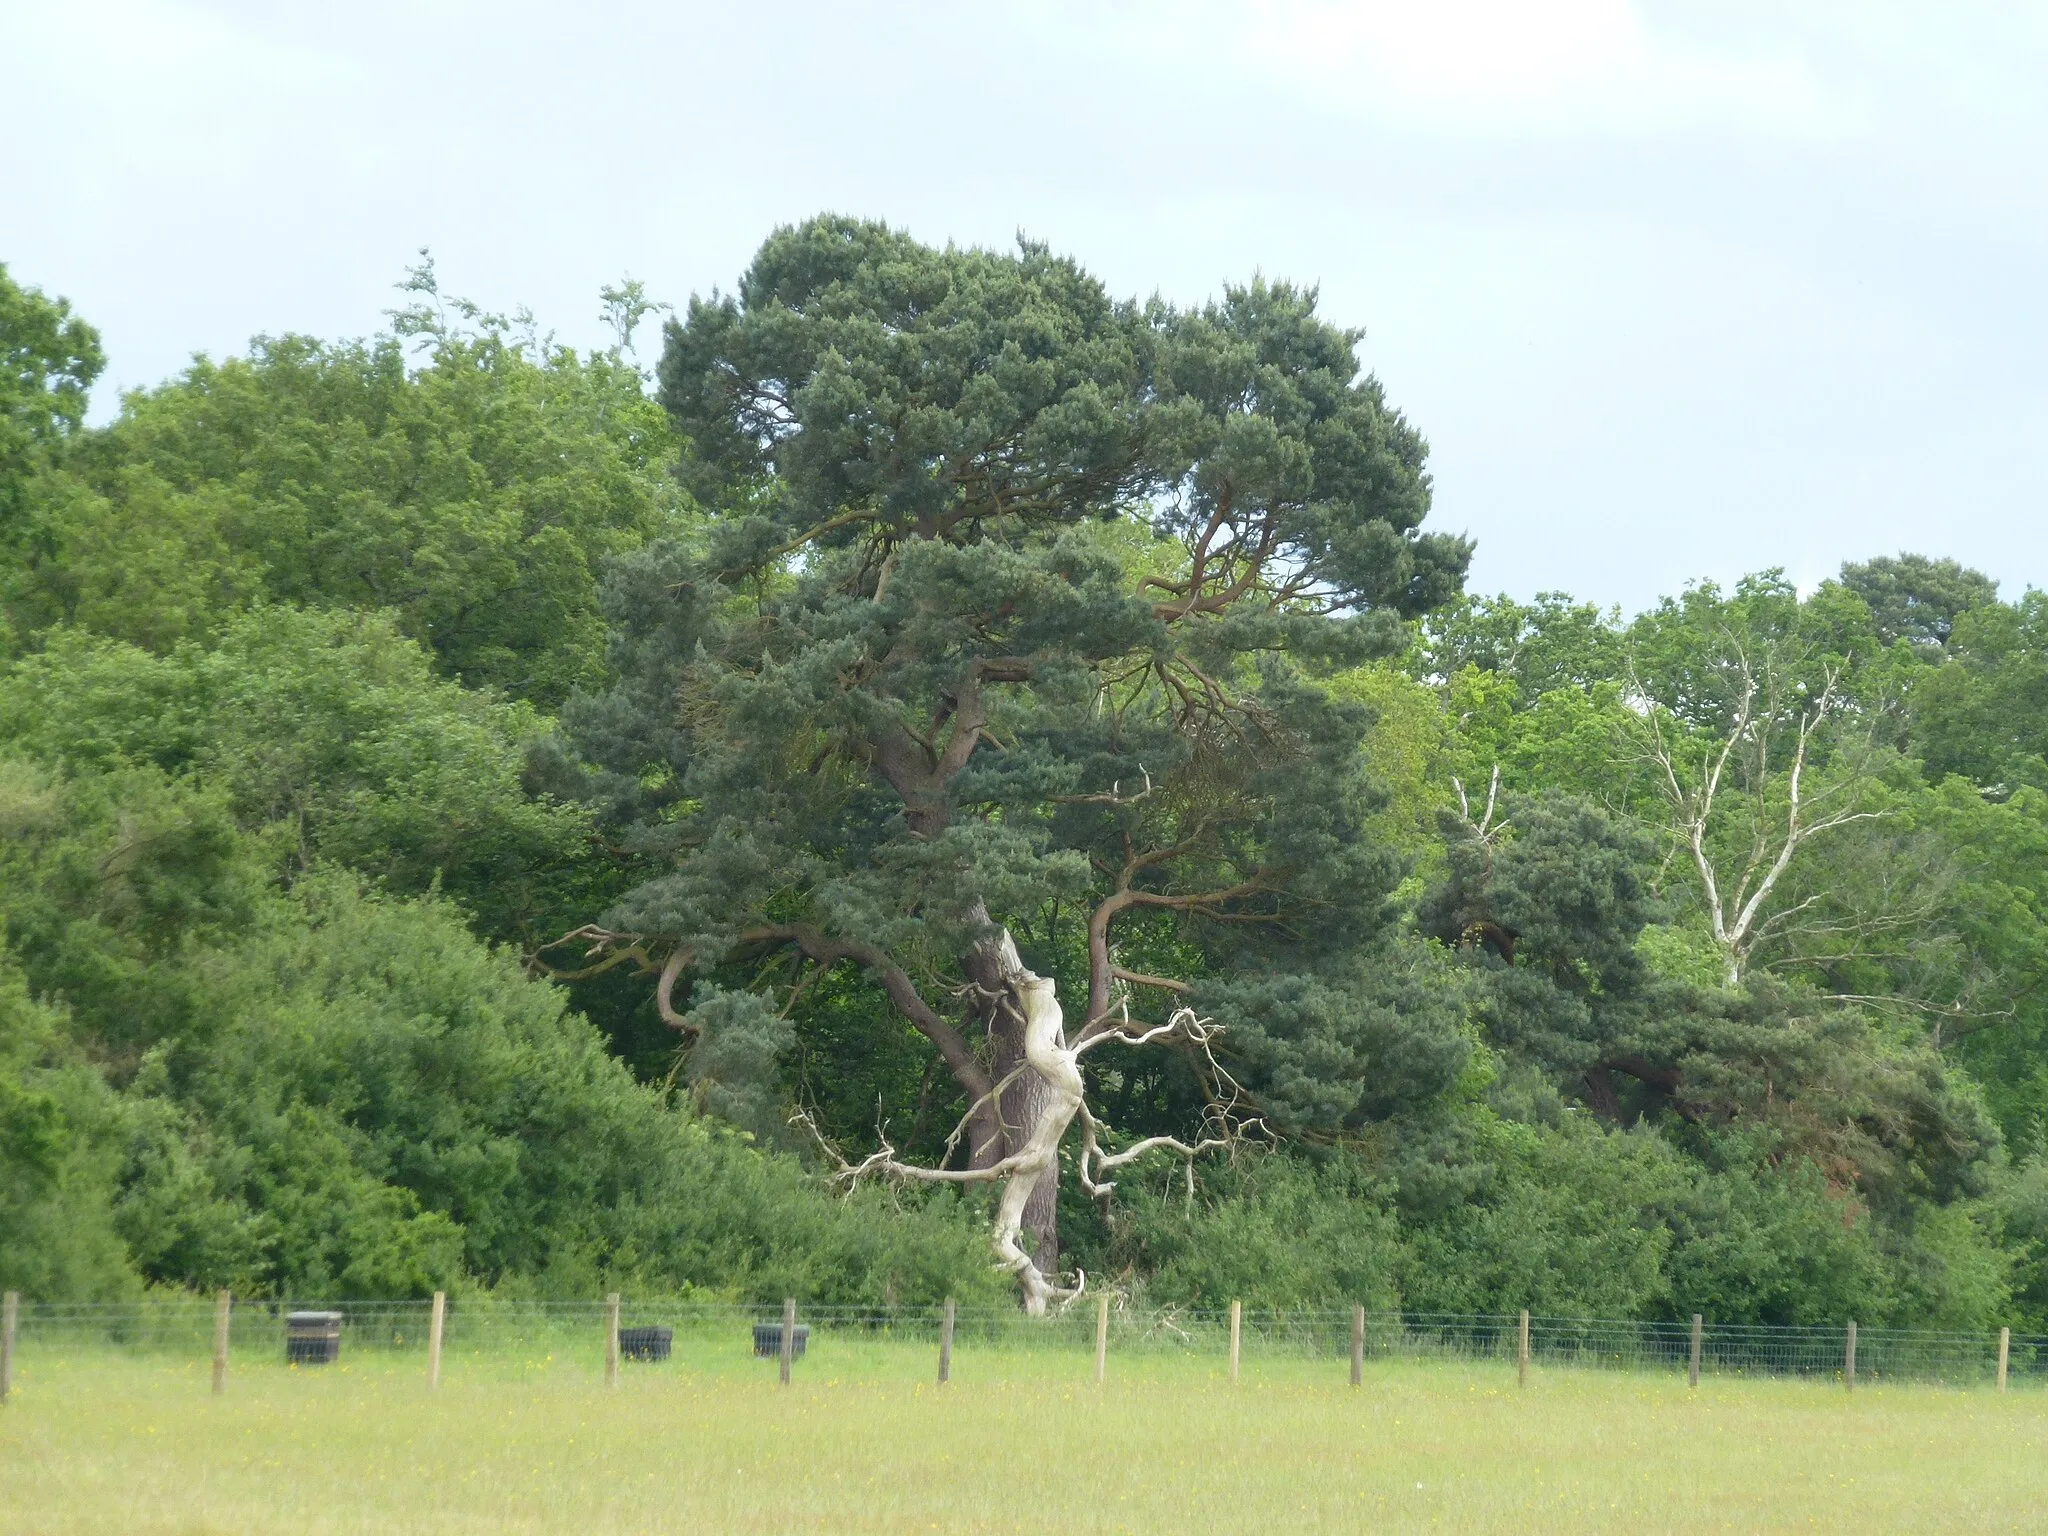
(1015, 614)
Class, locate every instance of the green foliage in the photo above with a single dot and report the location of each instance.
(985, 601)
(348, 1094)
(1267, 1230)
(1983, 713)
(1408, 750)
(328, 735)
(1766, 1243)
(1575, 1220)
(476, 496)
(419, 1113)
(319, 1090)
(49, 358)
(1542, 647)
(1566, 1218)
(2020, 1205)
(876, 378)
(58, 1158)
(1916, 599)
(735, 1073)
(1995, 979)
(1331, 1051)
(1555, 885)
(105, 880)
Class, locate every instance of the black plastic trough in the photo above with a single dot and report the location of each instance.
(646, 1343)
(768, 1340)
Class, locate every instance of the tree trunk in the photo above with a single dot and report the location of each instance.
(1601, 1096)
(1024, 1104)
(1005, 1127)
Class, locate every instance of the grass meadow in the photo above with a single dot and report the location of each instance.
(532, 1440)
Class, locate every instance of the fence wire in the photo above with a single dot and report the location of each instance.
(846, 1338)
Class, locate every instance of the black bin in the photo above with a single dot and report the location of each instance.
(646, 1343)
(768, 1340)
(312, 1338)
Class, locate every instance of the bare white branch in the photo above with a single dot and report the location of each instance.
(1059, 1101)
(1737, 890)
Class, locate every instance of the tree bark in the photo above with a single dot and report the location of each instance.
(1601, 1095)
(1007, 1124)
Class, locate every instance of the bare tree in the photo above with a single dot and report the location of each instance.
(1742, 801)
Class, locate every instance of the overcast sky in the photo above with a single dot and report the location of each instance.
(1674, 290)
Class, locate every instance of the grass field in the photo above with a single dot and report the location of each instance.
(1019, 1441)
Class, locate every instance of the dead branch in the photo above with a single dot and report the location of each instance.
(1484, 826)
(606, 948)
(1115, 795)
(1139, 979)
(664, 991)
(1182, 1025)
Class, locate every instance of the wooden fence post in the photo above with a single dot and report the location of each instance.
(788, 1336)
(1522, 1352)
(223, 1304)
(611, 1339)
(1358, 1346)
(1101, 1337)
(2004, 1351)
(10, 1309)
(1236, 1334)
(946, 1345)
(1692, 1371)
(434, 1339)
(1849, 1360)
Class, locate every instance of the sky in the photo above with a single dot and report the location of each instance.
(1675, 291)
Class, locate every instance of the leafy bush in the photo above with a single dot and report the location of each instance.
(329, 733)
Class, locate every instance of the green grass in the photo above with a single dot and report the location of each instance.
(532, 1440)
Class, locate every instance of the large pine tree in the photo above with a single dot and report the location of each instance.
(1016, 598)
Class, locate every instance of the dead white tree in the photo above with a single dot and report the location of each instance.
(1763, 758)
(1485, 825)
(1051, 1071)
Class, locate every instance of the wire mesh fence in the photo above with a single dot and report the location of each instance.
(856, 1342)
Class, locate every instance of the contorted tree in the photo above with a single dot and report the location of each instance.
(1016, 595)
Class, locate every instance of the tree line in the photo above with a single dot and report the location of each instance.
(954, 782)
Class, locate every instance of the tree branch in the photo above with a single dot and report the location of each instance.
(958, 1055)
